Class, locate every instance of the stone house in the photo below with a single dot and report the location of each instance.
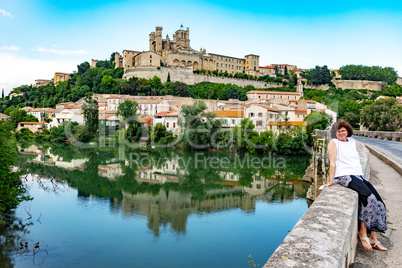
(229, 119)
(32, 126)
(279, 126)
(151, 107)
(4, 117)
(64, 115)
(269, 95)
(39, 113)
(169, 119)
(260, 115)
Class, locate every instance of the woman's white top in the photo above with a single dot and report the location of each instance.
(347, 158)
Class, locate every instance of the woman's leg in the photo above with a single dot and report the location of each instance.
(364, 240)
(375, 243)
(372, 209)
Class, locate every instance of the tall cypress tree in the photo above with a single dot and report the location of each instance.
(2, 94)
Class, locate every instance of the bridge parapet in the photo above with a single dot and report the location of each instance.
(384, 135)
(326, 235)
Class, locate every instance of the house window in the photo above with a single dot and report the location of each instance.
(259, 114)
(259, 123)
(167, 125)
(251, 115)
(174, 124)
(233, 121)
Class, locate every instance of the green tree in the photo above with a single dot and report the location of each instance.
(320, 75)
(91, 114)
(12, 190)
(17, 116)
(373, 73)
(316, 120)
(383, 115)
(128, 110)
(83, 68)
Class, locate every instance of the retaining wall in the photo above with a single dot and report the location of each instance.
(358, 84)
(187, 76)
(326, 235)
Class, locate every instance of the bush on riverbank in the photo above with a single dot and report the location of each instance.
(12, 189)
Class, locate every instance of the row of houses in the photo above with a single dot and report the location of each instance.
(268, 110)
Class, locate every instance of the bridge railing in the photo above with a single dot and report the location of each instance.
(384, 135)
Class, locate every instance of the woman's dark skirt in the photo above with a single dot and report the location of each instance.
(372, 209)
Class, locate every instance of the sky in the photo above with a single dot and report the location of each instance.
(39, 38)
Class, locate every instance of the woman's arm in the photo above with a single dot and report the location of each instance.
(332, 162)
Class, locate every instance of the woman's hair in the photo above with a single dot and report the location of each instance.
(340, 124)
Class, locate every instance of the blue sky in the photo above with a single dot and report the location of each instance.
(38, 38)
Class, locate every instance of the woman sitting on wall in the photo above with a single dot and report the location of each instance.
(346, 170)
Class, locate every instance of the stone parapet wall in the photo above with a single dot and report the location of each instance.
(326, 235)
(358, 84)
(399, 81)
(317, 87)
(384, 135)
(187, 76)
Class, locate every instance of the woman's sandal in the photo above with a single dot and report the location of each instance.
(377, 245)
(367, 240)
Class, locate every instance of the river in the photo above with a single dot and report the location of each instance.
(105, 208)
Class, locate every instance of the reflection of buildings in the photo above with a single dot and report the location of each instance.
(110, 171)
(47, 158)
(174, 207)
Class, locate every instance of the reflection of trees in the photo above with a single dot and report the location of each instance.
(196, 186)
(11, 235)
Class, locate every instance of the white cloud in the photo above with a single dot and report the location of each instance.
(304, 59)
(17, 70)
(60, 52)
(9, 48)
(6, 13)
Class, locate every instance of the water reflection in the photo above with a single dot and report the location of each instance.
(167, 187)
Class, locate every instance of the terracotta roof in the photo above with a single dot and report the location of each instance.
(144, 120)
(267, 108)
(104, 116)
(300, 111)
(168, 114)
(102, 104)
(51, 110)
(289, 123)
(39, 110)
(272, 92)
(31, 123)
(150, 101)
(229, 113)
(3, 115)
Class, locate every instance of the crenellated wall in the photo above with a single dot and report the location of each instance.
(326, 235)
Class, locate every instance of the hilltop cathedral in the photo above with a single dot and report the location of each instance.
(178, 53)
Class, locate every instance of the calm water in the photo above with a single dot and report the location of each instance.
(101, 208)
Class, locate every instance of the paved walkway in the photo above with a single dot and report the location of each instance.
(388, 183)
(392, 147)
(389, 152)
